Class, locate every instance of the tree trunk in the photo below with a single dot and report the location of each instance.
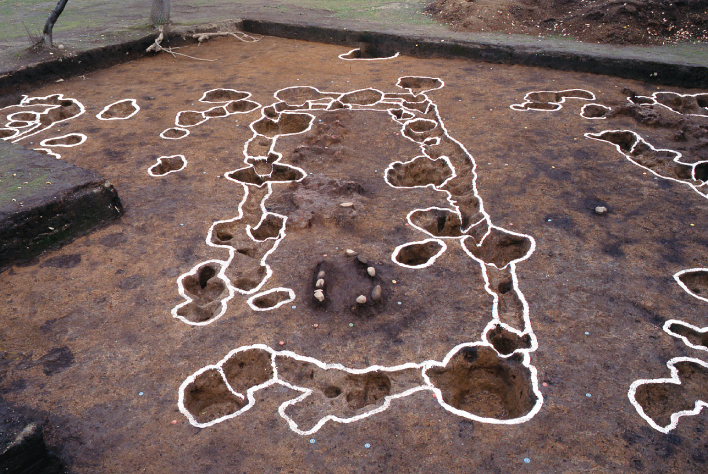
(160, 12)
(49, 25)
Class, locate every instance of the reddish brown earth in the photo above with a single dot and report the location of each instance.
(88, 338)
(594, 21)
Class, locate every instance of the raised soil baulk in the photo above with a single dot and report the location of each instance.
(186, 337)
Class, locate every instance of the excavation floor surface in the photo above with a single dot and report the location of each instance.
(535, 288)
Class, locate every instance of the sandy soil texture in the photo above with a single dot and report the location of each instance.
(329, 264)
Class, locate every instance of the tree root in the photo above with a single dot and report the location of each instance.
(238, 35)
(157, 47)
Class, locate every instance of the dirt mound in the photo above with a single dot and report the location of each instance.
(595, 21)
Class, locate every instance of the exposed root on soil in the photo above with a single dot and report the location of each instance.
(157, 47)
(201, 37)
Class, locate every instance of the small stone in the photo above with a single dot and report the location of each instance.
(371, 271)
(320, 283)
(347, 204)
(351, 252)
(362, 259)
(319, 295)
(600, 210)
(321, 275)
(61, 46)
(376, 293)
(361, 299)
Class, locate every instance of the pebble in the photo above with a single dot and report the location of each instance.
(361, 299)
(376, 293)
(61, 46)
(319, 295)
(347, 204)
(321, 274)
(351, 252)
(362, 259)
(371, 271)
(600, 210)
(320, 283)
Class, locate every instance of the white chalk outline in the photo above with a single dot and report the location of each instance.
(162, 133)
(179, 114)
(49, 152)
(10, 137)
(291, 298)
(11, 118)
(82, 137)
(105, 109)
(637, 141)
(671, 322)
(429, 262)
(159, 160)
(343, 56)
(675, 380)
(422, 91)
(423, 109)
(205, 117)
(248, 95)
(35, 126)
(699, 404)
(423, 366)
(558, 105)
(677, 277)
(656, 102)
(604, 117)
(188, 299)
(355, 104)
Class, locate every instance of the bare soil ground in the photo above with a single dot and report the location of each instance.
(643, 22)
(512, 317)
